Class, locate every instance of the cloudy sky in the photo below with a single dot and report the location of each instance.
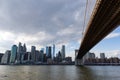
(44, 22)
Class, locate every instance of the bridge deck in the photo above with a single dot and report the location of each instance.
(105, 18)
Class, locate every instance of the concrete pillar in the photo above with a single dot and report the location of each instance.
(78, 61)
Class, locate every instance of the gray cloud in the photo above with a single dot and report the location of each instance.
(34, 16)
(56, 20)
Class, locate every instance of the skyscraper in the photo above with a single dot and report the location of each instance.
(19, 52)
(13, 54)
(29, 56)
(89, 55)
(53, 51)
(33, 54)
(24, 48)
(37, 55)
(6, 57)
(49, 52)
(59, 57)
(42, 54)
(63, 52)
(1, 55)
(102, 55)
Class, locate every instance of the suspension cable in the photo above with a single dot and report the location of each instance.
(85, 18)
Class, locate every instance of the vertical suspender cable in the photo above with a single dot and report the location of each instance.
(85, 18)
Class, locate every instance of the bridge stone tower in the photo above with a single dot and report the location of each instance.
(78, 61)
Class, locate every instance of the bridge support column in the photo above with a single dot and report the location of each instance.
(79, 62)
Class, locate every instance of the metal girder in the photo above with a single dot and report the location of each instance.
(104, 19)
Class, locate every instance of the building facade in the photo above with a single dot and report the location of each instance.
(102, 55)
(53, 51)
(63, 52)
(19, 52)
(49, 52)
(13, 54)
(1, 55)
(6, 57)
(33, 53)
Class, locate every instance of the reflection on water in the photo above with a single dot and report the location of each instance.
(86, 73)
(59, 72)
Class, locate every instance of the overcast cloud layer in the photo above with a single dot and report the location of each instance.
(40, 22)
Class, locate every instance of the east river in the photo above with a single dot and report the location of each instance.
(59, 72)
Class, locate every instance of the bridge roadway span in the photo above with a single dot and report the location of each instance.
(104, 19)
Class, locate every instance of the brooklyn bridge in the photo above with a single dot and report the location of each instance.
(104, 19)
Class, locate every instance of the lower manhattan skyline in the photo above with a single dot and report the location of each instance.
(19, 55)
(59, 39)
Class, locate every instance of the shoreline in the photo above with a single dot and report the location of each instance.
(62, 64)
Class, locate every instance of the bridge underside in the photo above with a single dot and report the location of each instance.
(105, 18)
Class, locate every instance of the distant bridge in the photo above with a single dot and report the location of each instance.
(104, 19)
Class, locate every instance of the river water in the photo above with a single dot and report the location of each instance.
(59, 72)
